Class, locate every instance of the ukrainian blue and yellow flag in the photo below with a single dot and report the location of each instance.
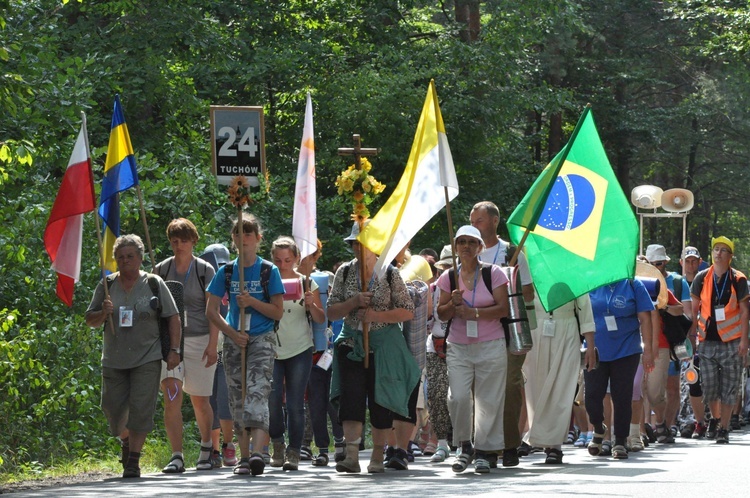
(582, 231)
(120, 173)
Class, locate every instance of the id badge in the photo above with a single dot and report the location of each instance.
(549, 328)
(611, 322)
(471, 329)
(719, 315)
(126, 317)
(325, 360)
(248, 319)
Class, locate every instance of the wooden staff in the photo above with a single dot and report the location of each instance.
(145, 228)
(357, 151)
(241, 264)
(98, 224)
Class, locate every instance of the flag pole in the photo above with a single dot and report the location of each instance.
(450, 229)
(145, 227)
(241, 271)
(96, 221)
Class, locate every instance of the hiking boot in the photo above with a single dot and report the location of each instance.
(713, 425)
(350, 464)
(279, 450)
(734, 423)
(292, 459)
(722, 436)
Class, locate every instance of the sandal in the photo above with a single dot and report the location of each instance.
(462, 460)
(206, 464)
(619, 452)
(554, 456)
(440, 455)
(175, 466)
(320, 460)
(595, 446)
(242, 468)
(429, 449)
(606, 448)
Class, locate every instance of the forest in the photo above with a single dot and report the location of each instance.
(668, 83)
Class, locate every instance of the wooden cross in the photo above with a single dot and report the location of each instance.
(357, 151)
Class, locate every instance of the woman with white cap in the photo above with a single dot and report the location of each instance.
(474, 300)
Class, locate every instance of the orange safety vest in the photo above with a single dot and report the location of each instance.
(729, 328)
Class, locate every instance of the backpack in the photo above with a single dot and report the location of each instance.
(265, 278)
(176, 290)
(486, 270)
(199, 264)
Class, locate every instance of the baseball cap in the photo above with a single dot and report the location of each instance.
(690, 252)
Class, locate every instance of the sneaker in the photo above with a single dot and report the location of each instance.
(414, 449)
(481, 465)
(510, 457)
(229, 454)
(305, 453)
(722, 436)
(734, 423)
(440, 455)
(389, 452)
(266, 457)
(713, 425)
(700, 431)
(635, 443)
(257, 464)
(582, 441)
(399, 460)
(215, 459)
(524, 450)
(321, 460)
(687, 430)
(663, 434)
(492, 458)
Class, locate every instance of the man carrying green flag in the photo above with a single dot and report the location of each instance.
(582, 232)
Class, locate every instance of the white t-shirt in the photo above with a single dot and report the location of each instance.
(496, 256)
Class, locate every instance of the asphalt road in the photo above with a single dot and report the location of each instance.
(686, 468)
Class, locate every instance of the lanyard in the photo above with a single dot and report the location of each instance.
(497, 253)
(609, 299)
(723, 287)
(187, 275)
(474, 290)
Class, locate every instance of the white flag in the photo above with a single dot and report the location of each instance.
(304, 219)
(421, 192)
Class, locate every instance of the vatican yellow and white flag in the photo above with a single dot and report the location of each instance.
(304, 218)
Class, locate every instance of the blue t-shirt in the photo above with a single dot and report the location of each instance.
(259, 323)
(623, 300)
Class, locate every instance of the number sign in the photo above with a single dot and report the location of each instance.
(237, 143)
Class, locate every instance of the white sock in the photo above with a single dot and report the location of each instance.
(635, 430)
(205, 455)
(443, 443)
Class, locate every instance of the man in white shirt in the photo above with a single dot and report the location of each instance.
(485, 216)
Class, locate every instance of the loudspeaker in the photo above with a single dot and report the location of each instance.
(677, 200)
(646, 197)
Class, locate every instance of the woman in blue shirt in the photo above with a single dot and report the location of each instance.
(622, 315)
(263, 304)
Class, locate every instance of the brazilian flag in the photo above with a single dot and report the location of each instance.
(582, 232)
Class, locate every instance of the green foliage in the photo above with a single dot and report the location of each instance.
(668, 83)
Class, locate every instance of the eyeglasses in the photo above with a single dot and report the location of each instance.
(658, 263)
(722, 250)
(470, 242)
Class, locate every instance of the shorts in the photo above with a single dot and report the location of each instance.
(129, 397)
(197, 380)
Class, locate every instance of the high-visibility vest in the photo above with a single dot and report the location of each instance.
(729, 328)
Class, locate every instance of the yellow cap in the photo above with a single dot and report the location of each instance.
(723, 240)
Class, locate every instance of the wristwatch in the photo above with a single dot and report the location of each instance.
(176, 350)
